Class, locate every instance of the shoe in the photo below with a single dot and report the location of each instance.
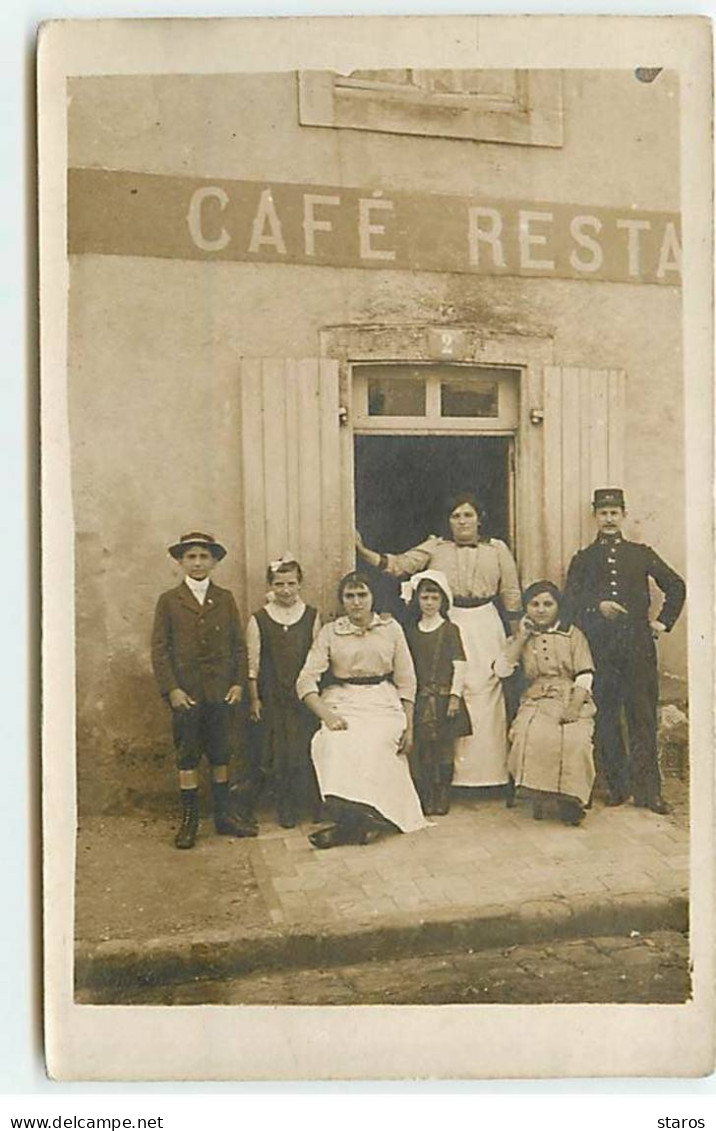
(368, 836)
(286, 813)
(658, 805)
(226, 825)
(326, 838)
(615, 799)
(537, 811)
(571, 813)
(186, 835)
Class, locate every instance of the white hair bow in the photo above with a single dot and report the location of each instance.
(287, 559)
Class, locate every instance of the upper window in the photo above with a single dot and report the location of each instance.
(512, 107)
(434, 397)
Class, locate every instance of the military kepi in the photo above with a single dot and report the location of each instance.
(608, 497)
(196, 538)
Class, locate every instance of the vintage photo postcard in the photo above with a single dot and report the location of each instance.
(377, 422)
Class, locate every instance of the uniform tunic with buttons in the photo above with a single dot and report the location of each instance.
(615, 569)
(486, 572)
(546, 754)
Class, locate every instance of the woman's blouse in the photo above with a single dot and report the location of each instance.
(486, 569)
(561, 653)
(353, 652)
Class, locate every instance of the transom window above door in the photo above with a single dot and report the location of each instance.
(440, 397)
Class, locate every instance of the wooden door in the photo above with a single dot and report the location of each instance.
(291, 473)
(584, 411)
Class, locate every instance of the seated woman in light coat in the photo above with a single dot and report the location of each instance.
(551, 737)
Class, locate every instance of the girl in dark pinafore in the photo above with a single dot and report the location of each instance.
(279, 637)
(440, 712)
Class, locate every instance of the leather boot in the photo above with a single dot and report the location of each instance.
(225, 822)
(186, 836)
(571, 812)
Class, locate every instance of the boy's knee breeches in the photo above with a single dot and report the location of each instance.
(204, 729)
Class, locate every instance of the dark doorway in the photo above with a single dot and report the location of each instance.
(402, 484)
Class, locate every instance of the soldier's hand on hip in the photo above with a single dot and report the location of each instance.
(180, 701)
(612, 610)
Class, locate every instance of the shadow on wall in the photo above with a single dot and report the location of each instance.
(126, 757)
(125, 753)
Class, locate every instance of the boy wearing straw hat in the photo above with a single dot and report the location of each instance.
(199, 662)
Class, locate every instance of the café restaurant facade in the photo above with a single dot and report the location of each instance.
(301, 302)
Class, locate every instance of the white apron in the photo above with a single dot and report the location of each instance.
(481, 758)
(362, 763)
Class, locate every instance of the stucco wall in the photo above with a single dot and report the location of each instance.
(155, 345)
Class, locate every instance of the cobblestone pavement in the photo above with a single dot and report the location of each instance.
(133, 885)
(481, 853)
(650, 968)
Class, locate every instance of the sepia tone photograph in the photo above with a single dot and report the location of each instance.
(377, 475)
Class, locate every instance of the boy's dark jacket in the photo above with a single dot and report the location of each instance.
(198, 648)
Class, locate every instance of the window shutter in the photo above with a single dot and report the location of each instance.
(291, 481)
(584, 413)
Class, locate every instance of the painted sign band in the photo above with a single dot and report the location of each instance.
(170, 217)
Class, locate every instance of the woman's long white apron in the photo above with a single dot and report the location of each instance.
(362, 763)
(481, 758)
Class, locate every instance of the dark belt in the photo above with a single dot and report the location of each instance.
(364, 680)
(472, 602)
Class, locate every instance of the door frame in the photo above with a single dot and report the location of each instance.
(383, 344)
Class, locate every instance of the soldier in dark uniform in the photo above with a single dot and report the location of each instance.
(607, 596)
(199, 661)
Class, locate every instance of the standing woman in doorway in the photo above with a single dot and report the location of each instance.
(481, 572)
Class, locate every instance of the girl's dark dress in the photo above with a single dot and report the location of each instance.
(433, 757)
(286, 725)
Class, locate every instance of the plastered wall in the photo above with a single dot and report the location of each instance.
(154, 347)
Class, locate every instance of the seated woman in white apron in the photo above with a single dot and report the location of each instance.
(366, 712)
(481, 572)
